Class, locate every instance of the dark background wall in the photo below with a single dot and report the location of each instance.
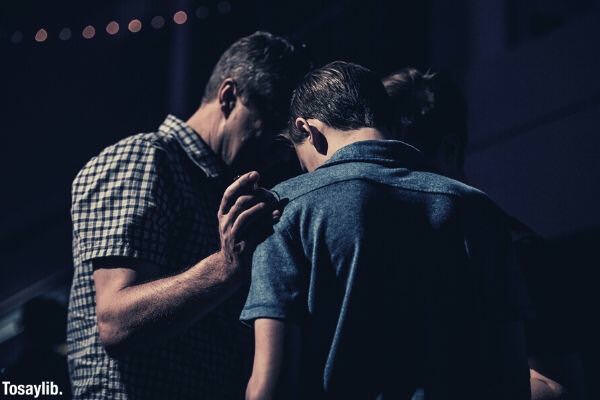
(528, 67)
(63, 101)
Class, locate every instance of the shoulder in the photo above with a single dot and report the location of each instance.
(430, 182)
(455, 194)
(469, 197)
(299, 188)
(143, 146)
(427, 183)
(475, 205)
(293, 187)
(136, 152)
(137, 164)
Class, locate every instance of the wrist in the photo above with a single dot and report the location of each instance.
(231, 265)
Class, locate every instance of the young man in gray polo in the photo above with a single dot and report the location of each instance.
(379, 277)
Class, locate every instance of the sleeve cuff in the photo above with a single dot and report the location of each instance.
(115, 248)
(250, 313)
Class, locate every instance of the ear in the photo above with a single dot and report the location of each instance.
(303, 126)
(314, 135)
(227, 96)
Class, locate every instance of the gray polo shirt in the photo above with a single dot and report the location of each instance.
(399, 278)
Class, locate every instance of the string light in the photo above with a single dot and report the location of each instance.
(180, 17)
(135, 25)
(202, 12)
(88, 32)
(64, 34)
(112, 28)
(41, 35)
(16, 37)
(157, 22)
(224, 7)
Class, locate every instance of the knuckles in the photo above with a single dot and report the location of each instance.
(243, 200)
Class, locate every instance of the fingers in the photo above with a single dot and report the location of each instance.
(244, 184)
(245, 202)
(242, 204)
(266, 196)
(246, 217)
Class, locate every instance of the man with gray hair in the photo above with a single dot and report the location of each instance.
(160, 242)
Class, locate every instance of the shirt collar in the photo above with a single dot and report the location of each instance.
(388, 152)
(196, 149)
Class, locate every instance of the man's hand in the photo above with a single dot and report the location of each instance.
(134, 305)
(243, 205)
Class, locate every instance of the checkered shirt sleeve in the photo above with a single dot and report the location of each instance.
(122, 203)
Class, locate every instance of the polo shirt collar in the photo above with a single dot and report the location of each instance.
(196, 149)
(387, 152)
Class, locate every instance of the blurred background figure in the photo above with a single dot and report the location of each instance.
(431, 114)
(42, 356)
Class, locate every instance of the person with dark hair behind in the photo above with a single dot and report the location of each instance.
(161, 243)
(379, 277)
(431, 114)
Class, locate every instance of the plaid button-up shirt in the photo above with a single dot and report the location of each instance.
(153, 197)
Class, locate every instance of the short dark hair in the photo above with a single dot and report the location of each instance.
(342, 95)
(265, 68)
(427, 108)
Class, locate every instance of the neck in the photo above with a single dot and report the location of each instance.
(340, 139)
(206, 123)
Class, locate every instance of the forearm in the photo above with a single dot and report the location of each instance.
(543, 388)
(557, 376)
(269, 336)
(141, 312)
(132, 307)
(276, 361)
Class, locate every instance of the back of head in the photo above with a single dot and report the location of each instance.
(342, 95)
(428, 108)
(265, 69)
